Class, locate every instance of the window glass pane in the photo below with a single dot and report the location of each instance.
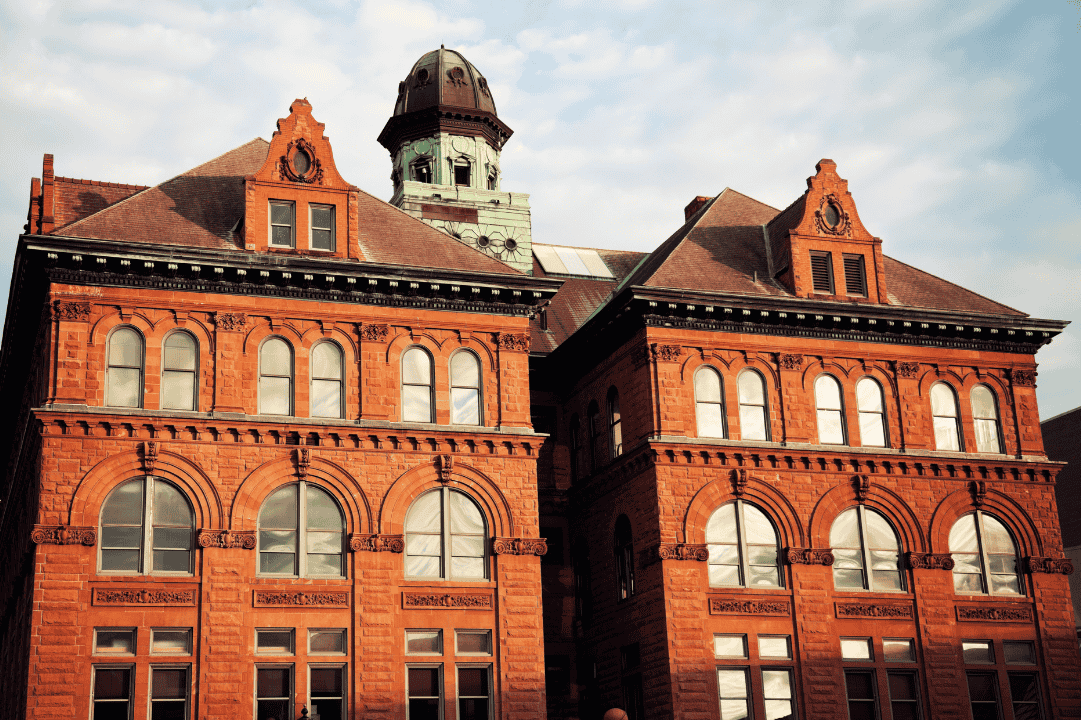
(977, 651)
(860, 685)
(120, 560)
(872, 432)
(418, 544)
(112, 684)
(169, 683)
(126, 348)
(416, 403)
(172, 538)
(723, 574)
(274, 395)
(946, 434)
(125, 505)
(473, 681)
(730, 646)
(983, 403)
(179, 353)
(426, 514)
(278, 563)
(464, 370)
(467, 545)
(325, 565)
(322, 239)
(987, 436)
(757, 527)
(1005, 585)
(710, 420)
(422, 566)
(963, 535)
(856, 649)
(1024, 689)
(899, 650)
(732, 683)
(326, 641)
(845, 532)
(943, 402)
(868, 396)
(773, 646)
(827, 393)
(323, 512)
(326, 681)
(722, 525)
(327, 361)
(465, 406)
(475, 642)
(902, 686)
(1019, 653)
(423, 682)
(467, 567)
(114, 642)
(996, 537)
(321, 216)
(830, 428)
(282, 236)
(122, 537)
(751, 390)
(324, 542)
(465, 517)
(880, 534)
(125, 388)
(275, 358)
(172, 561)
(278, 642)
(281, 213)
(280, 509)
(171, 507)
(326, 398)
(416, 367)
(178, 390)
(752, 423)
(277, 541)
(886, 581)
(175, 642)
(707, 386)
(777, 684)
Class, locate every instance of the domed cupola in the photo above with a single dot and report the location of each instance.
(445, 139)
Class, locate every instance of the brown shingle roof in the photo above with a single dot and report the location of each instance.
(907, 285)
(75, 199)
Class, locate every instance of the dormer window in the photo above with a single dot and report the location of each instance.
(461, 174)
(322, 225)
(822, 272)
(282, 224)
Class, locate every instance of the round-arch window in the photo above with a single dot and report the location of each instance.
(147, 526)
(445, 537)
(984, 556)
(743, 547)
(867, 552)
(178, 374)
(300, 532)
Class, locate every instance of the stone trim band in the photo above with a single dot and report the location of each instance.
(460, 601)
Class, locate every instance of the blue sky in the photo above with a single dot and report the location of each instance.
(956, 124)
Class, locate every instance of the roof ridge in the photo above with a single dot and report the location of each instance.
(99, 183)
(949, 282)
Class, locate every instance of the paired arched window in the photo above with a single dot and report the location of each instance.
(124, 381)
(624, 548)
(871, 408)
(866, 551)
(984, 556)
(275, 377)
(947, 423)
(445, 537)
(147, 526)
(709, 403)
(465, 392)
(301, 533)
(180, 372)
(615, 425)
(753, 415)
(829, 407)
(985, 418)
(327, 385)
(744, 549)
(576, 447)
(417, 386)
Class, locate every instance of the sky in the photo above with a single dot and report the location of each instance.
(956, 124)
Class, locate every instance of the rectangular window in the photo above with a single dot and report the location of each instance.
(274, 693)
(170, 690)
(898, 650)
(730, 646)
(983, 696)
(170, 641)
(777, 692)
(274, 641)
(322, 227)
(282, 224)
(822, 272)
(424, 690)
(977, 652)
(855, 277)
(862, 698)
(1019, 653)
(461, 175)
(734, 693)
(114, 641)
(424, 642)
(326, 692)
(473, 642)
(856, 649)
(474, 692)
(111, 694)
(774, 646)
(1025, 696)
(904, 695)
(326, 642)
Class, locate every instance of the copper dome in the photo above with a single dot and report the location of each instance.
(443, 78)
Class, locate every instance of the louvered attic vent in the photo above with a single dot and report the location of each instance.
(822, 272)
(855, 280)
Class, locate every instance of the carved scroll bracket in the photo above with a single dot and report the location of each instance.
(519, 546)
(244, 539)
(63, 535)
(920, 561)
(808, 556)
(679, 551)
(359, 542)
(1049, 566)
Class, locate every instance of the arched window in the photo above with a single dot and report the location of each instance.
(301, 531)
(985, 417)
(417, 402)
(125, 372)
(744, 549)
(863, 540)
(624, 548)
(830, 409)
(753, 416)
(615, 425)
(872, 412)
(984, 556)
(576, 447)
(179, 372)
(944, 412)
(465, 389)
(594, 416)
(147, 526)
(327, 374)
(709, 403)
(442, 520)
(275, 378)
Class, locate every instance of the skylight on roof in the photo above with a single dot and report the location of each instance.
(556, 260)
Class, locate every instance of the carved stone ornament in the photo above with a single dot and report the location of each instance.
(63, 535)
(831, 209)
(483, 85)
(288, 170)
(445, 465)
(71, 311)
(791, 362)
(304, 461)
(682, 551)
(150, 456)
(721, 606)
(874, 610)
(460, 601)
(375, 333)
(230, 321)
(808, 556)
(989, 613)
(1023, 378)
(908, 370)
(225, 539)
(862, 485)
(1049, 566)
(512, 341)
(978, 488)
(377, 543)
(456, 76)
(270, 598)
(920, 561)
(519, 546)
(667, 353)
(739, 481)
(143, 597)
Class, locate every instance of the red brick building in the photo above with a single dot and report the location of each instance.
(280, 448)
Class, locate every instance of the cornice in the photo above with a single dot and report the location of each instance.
(430, 120)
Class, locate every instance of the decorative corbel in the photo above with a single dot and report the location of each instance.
(862, 484)
(739, 481)
(150, 456)
(444, 464)
(979, 492)
(304, 461)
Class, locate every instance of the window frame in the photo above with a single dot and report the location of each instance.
(301, 562)
(479, 387)
(333, 226)
(839, 411)
(862, 273)
(742, 546)
(615, 424)
(344, 632)
(189, 649)
(957, 429)
(624, 552)
(764, 406)
(439, 684)
(698, 403)
(981, 546)
(109, 628)
(996, 421)
(422, 162)
(340, 380)
(130, 700)
(828, 257)
(109, 366)
(430, 385)
(458, 666)
(882, 417)
(291, 392)
(146, 548)
(187, 668)
(865, 551)
(194, 373)
(290, 699)
(271, 224)
(446, 540)
(874, 700)
(343, 667)
(461, 163)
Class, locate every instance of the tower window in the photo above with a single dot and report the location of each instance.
(322, 227)
(855, 279)
(422, 171)
(822, 272)
(461, 175)
(281, 224)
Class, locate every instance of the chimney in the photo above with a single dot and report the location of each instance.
(47, 196)
(694, 206)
